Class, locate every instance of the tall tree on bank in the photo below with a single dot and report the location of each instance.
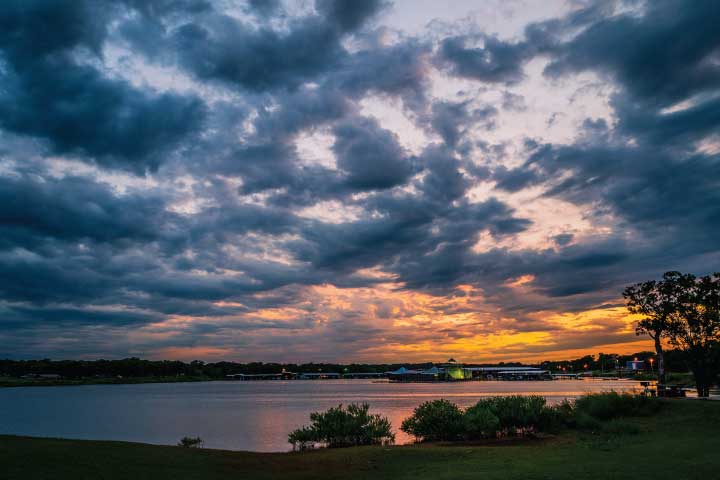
(695, 328)
(657, 302)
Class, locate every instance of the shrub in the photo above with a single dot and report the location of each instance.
(481, 422)
(302, 439)
(436, 420)
(606, 406)
(344, 427)
(554, 418)
(191, 442)
(583, 421)
(519, 414)
(620, 427)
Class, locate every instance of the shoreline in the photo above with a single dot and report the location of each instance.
(12, 382)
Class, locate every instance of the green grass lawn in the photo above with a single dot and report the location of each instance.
(681, 442)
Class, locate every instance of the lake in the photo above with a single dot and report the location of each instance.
(240, 415)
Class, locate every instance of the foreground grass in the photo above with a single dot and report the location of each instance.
(682, 441)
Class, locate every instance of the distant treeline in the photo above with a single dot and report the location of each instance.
(135, 367)
(675, 361)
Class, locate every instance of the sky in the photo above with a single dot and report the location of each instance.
(350, 181)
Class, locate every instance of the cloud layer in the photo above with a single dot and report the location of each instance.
(297, 182)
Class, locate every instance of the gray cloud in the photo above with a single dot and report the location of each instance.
(370, 156)
(197, 205)
(495, 61)
(83, 112)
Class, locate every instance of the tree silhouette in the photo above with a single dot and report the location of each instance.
(696, 329)
(684, 310)
(657, 301)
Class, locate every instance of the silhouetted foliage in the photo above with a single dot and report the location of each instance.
(606, 406)
(517, 415)
(191, 442)
(480, 422)
(657, 302)
(684, 310)
(696, 330)
(344, 427)
(434, 421)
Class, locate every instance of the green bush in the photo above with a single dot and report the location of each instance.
(606, 406)
(552, 419)
(620, 427)
(190, 442)
(481, 422)
(303, 438)
(344, 427)
(518, 414)
(435, 421)
(582, 421)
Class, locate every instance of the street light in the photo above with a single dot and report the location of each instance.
(651, 365)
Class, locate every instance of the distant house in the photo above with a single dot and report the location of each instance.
(262, 376)
(509, 373)
(447, 372)
(635, 365)
(453, 371)
(319, 376)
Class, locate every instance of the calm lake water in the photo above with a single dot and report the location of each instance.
(239, 415)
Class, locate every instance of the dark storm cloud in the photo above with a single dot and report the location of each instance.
(349, 15)
(494, 61)
(224, 50)
(85, 113)
(399, 69)
(452, 119)
(29, 277)
(674, 129)
(33, 210)
(38, 28)
(514, 179)
(220, 47)
(663, 56)
(25, 317)
(369, 155)
(48, 94)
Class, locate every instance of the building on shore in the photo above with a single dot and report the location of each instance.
(453, 371)
(365, 375)
(262, 376)
(509, 373)
(450, 371)
(319, 376)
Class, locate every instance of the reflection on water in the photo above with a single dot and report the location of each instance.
(240, 415)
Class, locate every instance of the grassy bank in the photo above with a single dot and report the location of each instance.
(680, 442)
